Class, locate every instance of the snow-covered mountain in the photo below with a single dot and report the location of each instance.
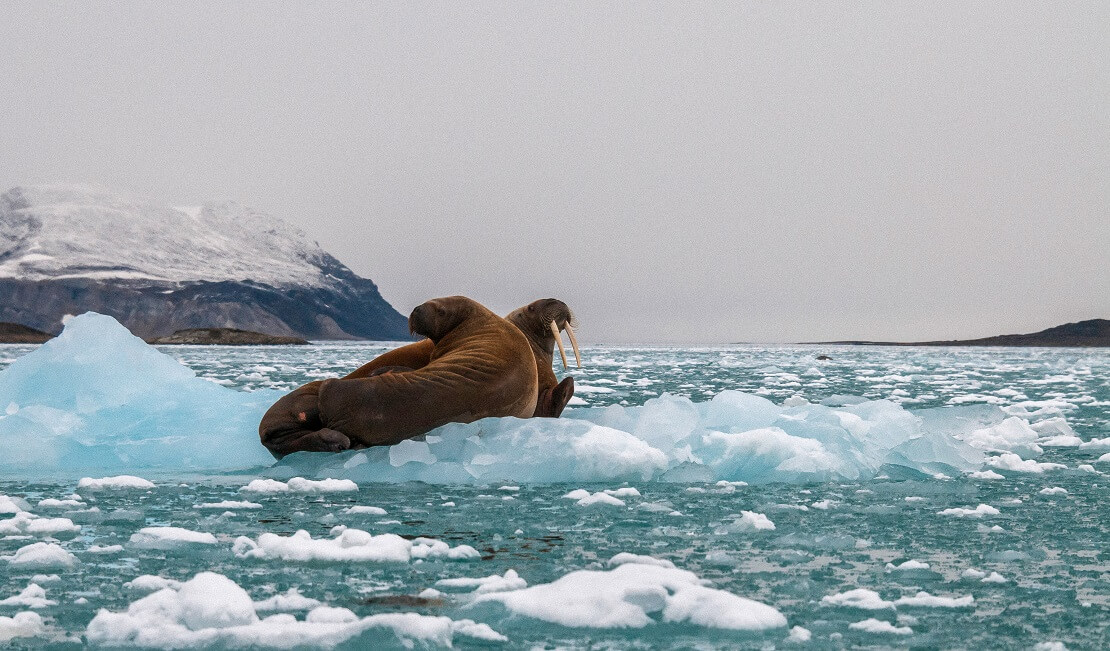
(65, 249)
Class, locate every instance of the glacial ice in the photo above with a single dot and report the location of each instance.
(98, 398)
(626, 596)
(212, 611)
(349, 545)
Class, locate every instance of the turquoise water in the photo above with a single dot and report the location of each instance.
(1053, 550)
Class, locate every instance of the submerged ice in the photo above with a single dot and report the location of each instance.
(97, 398)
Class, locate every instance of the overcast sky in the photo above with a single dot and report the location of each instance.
(718, 172)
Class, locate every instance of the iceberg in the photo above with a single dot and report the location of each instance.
(99, 398)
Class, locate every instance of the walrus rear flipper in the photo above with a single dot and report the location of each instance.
(293, 424)
(552, 401)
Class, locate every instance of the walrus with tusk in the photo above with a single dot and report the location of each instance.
(473, 365)
(541, 322)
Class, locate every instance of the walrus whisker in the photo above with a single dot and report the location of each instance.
(559, 340)
(573, 344)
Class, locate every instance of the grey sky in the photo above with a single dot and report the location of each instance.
(737, 171)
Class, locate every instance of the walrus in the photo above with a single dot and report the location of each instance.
(540, 321)
(479, 365)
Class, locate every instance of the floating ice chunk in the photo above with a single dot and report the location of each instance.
(45, 578)
(577, 494)
(1050, 646)
(430, 593)
(985, 474)
(98, 398)
(1104, 458)
(994, 577)
(627, 594)
(25, 624)
(28, 524)
(1086, 467)
(925, 600)
(308, 486)
(861, 598)
(365, 510)
(41, 556)
(1054, 490)
(600, 498)
(228, 504)
(626, 557)
(33, 596)
(972, 573)
(118, 482)
(626, 491)
(290, 600)
(823, 505)
(170, 538)
(1096, 444)
(493, 583)
(799, 635)
(1013, 462)
(300, 485)
(513, 489)
(151, 583)
(752, 521)
(349, 545)
(69, 503)
(1011, 435)
(265, 486)
(907, 566)
(210, 610)
(1060, 442)
(13, 505)
(977, 512)
(873, 625)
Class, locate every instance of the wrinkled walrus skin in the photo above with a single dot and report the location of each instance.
(480, 366)
(533, 320)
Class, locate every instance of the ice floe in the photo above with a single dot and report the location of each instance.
(627, 595)
(25, 624)
(482, 585)
(41, 556)
(1014, 463)
(170, 538)
(211, 610)
(228, 504)
(977, 512)
(301, 485)
(28, 524)
(289, 601)
(349, 545)
(119, 482)
(33, 596)
(873, 625)
(861, 598)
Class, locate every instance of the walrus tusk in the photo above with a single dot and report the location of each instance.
(574, 345)
(559, 340)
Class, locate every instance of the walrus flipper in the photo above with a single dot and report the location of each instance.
(553, 401)
(293, 424)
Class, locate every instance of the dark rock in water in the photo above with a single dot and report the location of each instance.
(16, 333)
(1092, 333)
(226, 337)
(823, 358)
(157, 269)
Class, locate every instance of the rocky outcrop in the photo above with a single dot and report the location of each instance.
(225, 337)
(65, 250)
(1092, 333)
(16, 333)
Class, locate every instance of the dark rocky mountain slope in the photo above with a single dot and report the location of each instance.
(71, 249)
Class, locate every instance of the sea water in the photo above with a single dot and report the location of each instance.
(761, 498)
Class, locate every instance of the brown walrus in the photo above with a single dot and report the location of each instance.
(540, 321)
(480, 365)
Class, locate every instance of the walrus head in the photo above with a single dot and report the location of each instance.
(434, 319)
(541, 321)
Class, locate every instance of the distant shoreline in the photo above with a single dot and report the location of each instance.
(1092, 333)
